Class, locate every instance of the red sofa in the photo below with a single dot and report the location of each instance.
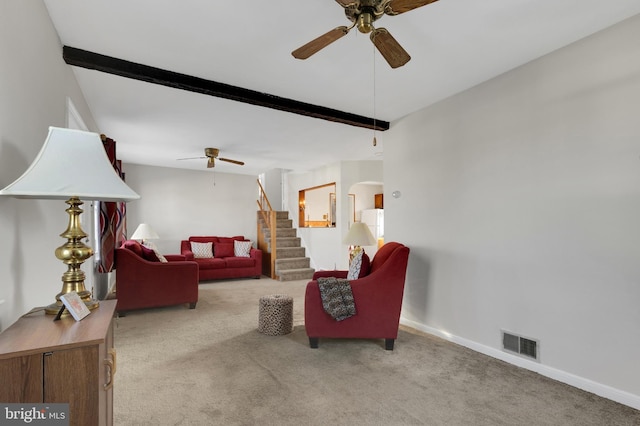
(224, 264)
(147, 283)
(377, 297)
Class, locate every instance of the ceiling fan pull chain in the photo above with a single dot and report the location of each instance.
(375, 141)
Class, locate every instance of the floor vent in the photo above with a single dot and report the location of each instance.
(520, 345)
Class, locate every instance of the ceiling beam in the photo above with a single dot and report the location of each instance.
(120, 67)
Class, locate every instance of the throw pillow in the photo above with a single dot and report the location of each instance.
(223, 249)
(134, 246)
(148, 254)
(153, 247)
(365, 268)
(242, 248)
(355, 266)
(202, 250)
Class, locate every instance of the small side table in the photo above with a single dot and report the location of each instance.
(276, 315)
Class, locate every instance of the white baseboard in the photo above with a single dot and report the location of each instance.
(599, 389)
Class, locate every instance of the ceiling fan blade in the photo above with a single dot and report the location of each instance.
(390, 49)
(190, 158)
(319, 43)
(240, 163)
(396, 7)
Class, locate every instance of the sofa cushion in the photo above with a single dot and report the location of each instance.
(211, 263)
(203, 239)
(202, 250)
(223, 249)
(240, 262)
(242, 248)
(231, 239)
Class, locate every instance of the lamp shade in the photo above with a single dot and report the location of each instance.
(71, 163)
(359, 235)
(144, 232)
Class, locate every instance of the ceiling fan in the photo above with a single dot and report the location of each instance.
(211, 154)
(363, 13)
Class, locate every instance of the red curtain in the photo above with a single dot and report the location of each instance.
(112, 217)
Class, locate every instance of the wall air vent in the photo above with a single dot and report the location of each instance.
(520, 345)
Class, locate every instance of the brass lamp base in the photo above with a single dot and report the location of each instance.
(73, 254)
(353, 253)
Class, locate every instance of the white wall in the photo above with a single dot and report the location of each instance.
(521, 210)
(324, 245)
(272, 183)
(365, 196)
(34, 86)
(180, 203)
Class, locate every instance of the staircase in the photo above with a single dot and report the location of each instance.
(290, 261)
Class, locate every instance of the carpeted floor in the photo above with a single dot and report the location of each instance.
(210, 366)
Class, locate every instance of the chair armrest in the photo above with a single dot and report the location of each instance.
(327, 274)
(175, 257)
(255, 253)
(185, 249)
(136, 271)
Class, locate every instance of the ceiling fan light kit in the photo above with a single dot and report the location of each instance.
(363, 13)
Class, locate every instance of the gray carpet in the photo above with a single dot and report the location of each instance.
(210, 366)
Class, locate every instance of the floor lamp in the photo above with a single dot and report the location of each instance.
(72, 165)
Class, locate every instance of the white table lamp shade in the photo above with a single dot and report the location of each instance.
(359, 235)
(144, 232)
(71, 163)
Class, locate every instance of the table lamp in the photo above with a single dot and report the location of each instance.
(72, 165)
(144, 232)
(359, 235)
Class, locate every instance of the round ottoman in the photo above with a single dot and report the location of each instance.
(276, 315)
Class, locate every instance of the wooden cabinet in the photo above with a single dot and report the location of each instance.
(378, 201)
(65, 361)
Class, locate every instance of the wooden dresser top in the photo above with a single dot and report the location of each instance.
(37, 332)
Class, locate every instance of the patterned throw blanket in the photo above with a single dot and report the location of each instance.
(337, 298)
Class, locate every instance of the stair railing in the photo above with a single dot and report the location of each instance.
(267, 220)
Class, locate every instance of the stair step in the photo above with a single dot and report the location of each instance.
(279, 215)
(289, 252)
(280, 223)
(296, 274)
(281, 232)
(285, 242)
(292, 263)
(284, 223)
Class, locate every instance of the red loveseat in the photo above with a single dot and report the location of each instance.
(377, 297)
(142, 281)
(224, 263)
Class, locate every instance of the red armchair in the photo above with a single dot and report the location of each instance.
(142, 283)
(377, 296)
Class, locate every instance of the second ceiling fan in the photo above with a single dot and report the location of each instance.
(363, 13)
(211, 154)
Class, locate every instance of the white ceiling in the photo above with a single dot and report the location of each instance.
(454, 45)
